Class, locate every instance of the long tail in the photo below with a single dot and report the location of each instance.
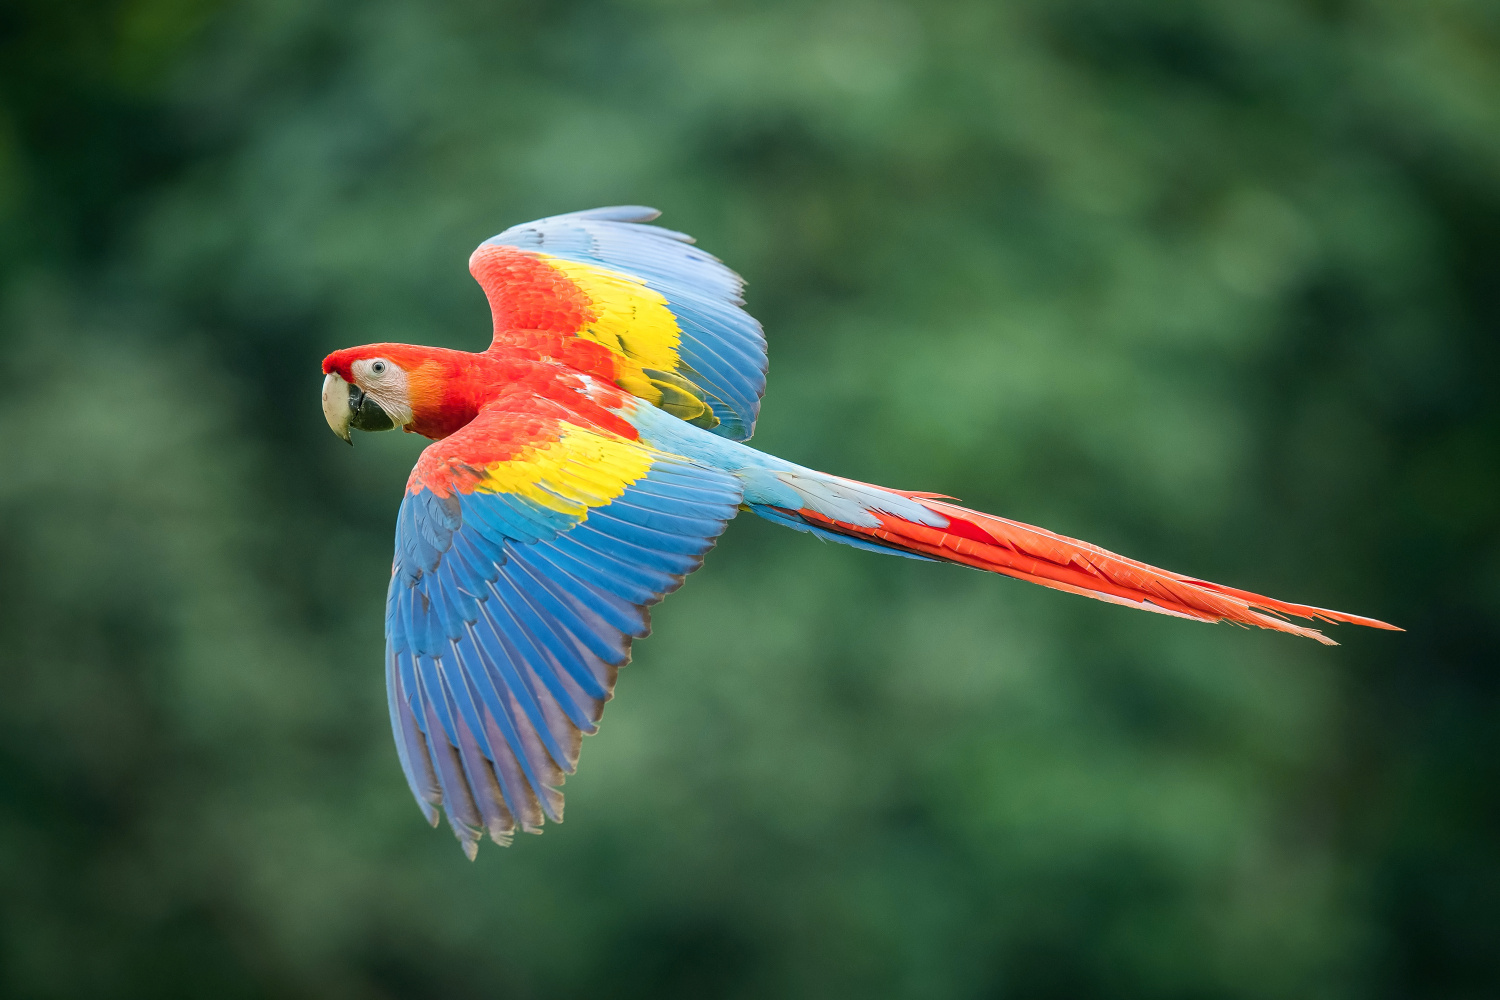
(925, 526)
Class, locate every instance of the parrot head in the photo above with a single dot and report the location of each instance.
(365, 389)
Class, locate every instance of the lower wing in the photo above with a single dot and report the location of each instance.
(528, 547)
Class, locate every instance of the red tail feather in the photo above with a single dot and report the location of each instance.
(1040, 556)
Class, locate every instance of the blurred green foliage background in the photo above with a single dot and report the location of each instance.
(1209, 282)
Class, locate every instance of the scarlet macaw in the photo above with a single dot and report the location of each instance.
(581, 467)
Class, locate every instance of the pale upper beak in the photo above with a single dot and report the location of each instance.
(346, 406)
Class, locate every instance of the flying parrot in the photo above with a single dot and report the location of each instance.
(581, 467)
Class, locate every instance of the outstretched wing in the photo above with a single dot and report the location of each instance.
(528, 546)
(636, 303)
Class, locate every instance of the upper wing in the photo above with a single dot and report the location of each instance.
(659, 316)
(528, 547)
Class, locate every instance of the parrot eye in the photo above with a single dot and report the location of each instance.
(378, 368)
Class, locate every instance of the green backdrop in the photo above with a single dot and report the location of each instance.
(1208, 282)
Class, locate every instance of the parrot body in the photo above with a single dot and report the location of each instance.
(582, 466)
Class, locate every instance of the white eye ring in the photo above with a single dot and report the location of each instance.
(378, 368)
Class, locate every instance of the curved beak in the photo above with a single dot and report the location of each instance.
(336, 408)
(346, 406)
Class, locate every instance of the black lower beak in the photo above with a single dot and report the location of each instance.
(368, 415)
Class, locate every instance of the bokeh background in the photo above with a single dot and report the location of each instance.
(1209, 282)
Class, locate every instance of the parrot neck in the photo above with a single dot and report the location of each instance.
(446, 389)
